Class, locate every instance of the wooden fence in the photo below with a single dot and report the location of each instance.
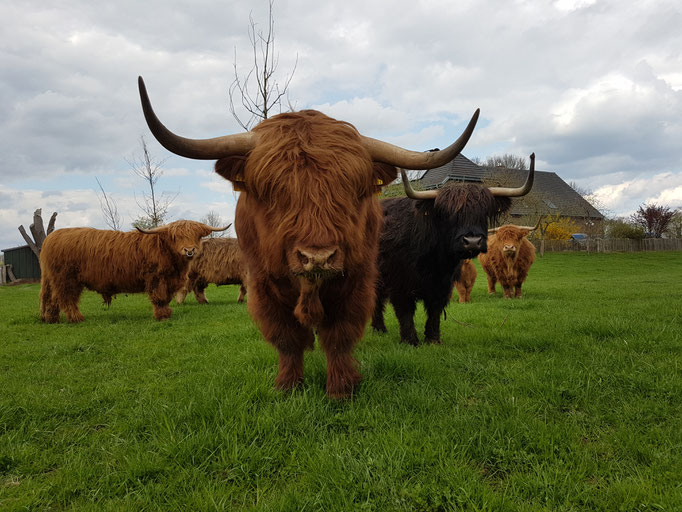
(612, 245)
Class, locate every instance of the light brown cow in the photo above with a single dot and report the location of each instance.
(308, 223)
(153, 261)
(220, 262)
(509, 258)
(465, 283)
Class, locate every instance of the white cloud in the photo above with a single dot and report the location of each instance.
(593, 88)
(664, 189)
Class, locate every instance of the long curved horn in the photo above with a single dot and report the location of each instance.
(153, 231)
(416, 194)
(199, 149)
(394, 155)
(529, 228)
(518, 191)
(220, 229)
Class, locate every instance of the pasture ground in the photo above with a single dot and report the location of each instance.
(569, 399)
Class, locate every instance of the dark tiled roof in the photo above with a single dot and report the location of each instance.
(550, 194)
(459, 169)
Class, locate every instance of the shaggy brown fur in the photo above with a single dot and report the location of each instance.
(308, 225)
(220, 262)
(465, 283)
(111, 262)
(508, 259)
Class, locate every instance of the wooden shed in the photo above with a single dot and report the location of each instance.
(25, 264)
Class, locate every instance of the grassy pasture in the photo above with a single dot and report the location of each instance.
(568, 399)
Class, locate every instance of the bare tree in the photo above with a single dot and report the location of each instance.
(506, 160)
(38, 231)
(212, 218)
(154, 206)
(109, 208)
(268, 94)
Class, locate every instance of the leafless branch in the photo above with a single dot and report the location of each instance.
(268, 94)
(109, 209)
(154, 207)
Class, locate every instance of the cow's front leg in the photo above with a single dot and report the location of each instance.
(338, 340)
(160, 297)
(281, 329)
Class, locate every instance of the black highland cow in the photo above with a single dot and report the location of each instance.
(424, 239)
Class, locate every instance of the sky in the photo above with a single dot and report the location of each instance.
(593, 87)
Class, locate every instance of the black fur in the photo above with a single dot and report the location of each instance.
(420, 252)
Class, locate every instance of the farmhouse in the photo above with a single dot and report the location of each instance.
(550, 194)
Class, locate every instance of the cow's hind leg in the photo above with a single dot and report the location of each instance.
(49, 309)
(378, 323)
(508, 289)
(242, 294)
(491, 284)
(199, 288)
(404, 310)
(180, 296)
(68, 298)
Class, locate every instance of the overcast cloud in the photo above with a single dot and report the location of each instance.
(593, 87)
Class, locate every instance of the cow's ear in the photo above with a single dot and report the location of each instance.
(232, 168)
(382, 175)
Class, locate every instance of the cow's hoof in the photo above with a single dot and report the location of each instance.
(433, 341)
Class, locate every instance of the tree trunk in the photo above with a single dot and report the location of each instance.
(31, 244)
(38, 231)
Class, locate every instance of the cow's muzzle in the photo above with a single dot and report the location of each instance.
(189, 251)
(472, 242)
(509, 250)
(316, 263)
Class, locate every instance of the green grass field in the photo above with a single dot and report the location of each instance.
(568, 399)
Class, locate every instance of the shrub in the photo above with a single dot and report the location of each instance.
(561, 229)
(621, 229)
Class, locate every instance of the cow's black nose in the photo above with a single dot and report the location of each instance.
(472, 242)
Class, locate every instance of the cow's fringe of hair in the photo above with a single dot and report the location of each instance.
(469, 202)
(311, 174)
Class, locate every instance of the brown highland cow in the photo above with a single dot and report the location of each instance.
(308, 223)
(152, 261)
(465, 283)
(509, 258)
(220, 262)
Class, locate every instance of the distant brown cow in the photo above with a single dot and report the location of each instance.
(220, 262)
(465, 283)
(153, 261)
(509, 258)
(308, 223)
